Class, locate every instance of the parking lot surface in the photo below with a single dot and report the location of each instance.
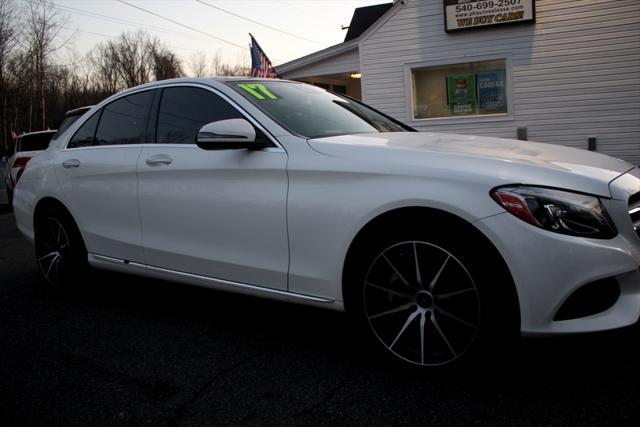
(129, 351)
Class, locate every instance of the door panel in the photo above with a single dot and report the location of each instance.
(97, 171)
(102, 191)
(219, 214)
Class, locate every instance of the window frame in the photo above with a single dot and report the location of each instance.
(155, 120)
(145, 136)
(155, 108)
(99, 113)
(100, 110)
(451, 120)
(276, 146)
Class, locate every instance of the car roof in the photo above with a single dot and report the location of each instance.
(208, 81)
(37, 132)
(201, 80)
(78, 111)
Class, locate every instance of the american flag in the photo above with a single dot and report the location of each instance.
(260, 64)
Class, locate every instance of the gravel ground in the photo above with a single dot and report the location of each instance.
(131, 351)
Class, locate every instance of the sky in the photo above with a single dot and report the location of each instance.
(285, 29)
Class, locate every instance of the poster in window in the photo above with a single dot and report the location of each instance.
(461, 94)
(491, 92)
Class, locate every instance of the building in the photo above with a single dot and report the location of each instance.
(558, 71)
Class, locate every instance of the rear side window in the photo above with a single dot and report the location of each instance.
(35, 142)
(124, 121)
(84, 135)
(66, 124)
(184, 110)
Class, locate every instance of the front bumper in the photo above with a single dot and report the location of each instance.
(548, 267)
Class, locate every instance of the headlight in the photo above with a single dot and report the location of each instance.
(559, 211)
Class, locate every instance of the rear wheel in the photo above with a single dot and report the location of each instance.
(60, 251)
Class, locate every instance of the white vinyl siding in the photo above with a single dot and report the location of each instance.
(573, 74)
(342, 63)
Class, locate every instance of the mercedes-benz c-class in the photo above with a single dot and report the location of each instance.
(439, 245)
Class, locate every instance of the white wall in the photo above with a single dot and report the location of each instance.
(574, 74)
(343, 63)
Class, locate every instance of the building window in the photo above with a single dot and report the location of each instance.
(470, 89)
(340, 89)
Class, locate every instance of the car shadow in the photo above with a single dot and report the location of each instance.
(200, 354)
(596, 356)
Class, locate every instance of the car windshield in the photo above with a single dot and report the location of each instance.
(313, 112)
(34, 142)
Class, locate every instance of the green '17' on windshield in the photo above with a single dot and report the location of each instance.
(259, 91)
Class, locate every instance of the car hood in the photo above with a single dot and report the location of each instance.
(508, 161)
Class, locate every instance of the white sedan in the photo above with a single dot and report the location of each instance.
(438, 244)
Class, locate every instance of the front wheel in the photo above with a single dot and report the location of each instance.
(59, 249)
(428, 299)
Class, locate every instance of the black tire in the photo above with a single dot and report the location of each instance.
(60, 251)
(466, 314)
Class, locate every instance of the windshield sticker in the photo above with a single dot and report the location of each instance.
(259, 91)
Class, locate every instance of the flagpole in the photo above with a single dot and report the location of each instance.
(253, 40)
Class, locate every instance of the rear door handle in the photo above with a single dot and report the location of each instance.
(71, 163)
(159, 159)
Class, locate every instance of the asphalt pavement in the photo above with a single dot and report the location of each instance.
(130, 351)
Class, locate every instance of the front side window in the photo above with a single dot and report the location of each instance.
(184, 110)
(471, 89)
(312, 112)
(124, 121)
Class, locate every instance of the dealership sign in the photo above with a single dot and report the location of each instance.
(467, 14)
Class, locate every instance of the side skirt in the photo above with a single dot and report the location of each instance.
(124, 266)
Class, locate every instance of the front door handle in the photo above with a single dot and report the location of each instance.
(159, 159)
(71, 163)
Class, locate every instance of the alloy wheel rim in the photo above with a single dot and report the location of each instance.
(53, 251)
(421, 303)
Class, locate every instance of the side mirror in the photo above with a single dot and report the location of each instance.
(232, 134)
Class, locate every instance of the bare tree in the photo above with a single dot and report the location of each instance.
(29, 74)
(43, 27)
(133, 56)
(105, 69)
(8, 41)
(166, 65)
(233, 70)
(198, 64)
(240, 68)
(19, 90)
(216, 63)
